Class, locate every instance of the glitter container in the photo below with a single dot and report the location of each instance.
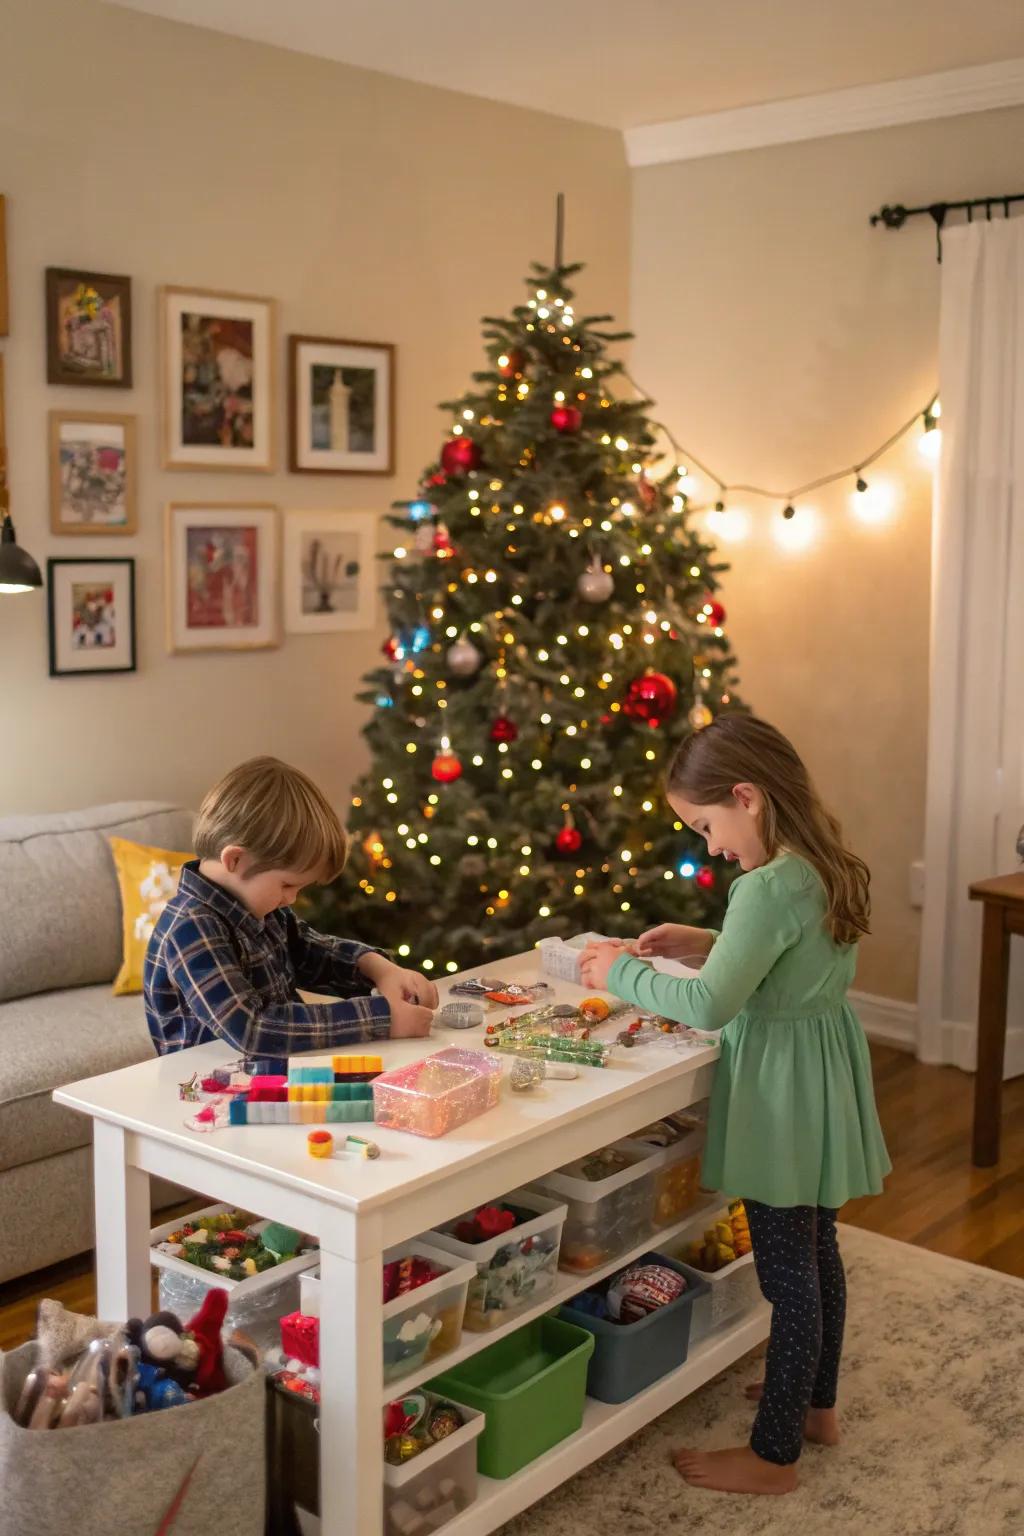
(434, 1096)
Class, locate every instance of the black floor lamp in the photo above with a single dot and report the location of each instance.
(18, 571)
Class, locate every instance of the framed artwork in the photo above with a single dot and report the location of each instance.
(91, 616)
(223, 587)
(329, 572)
(4, 298)
(92, 473)
(217, 352)
(341, 406)
(88, 328)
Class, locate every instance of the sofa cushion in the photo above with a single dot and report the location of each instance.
(51, 1040)
(60, 912)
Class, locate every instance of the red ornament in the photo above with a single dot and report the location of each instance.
(514, 365)
(714, 611)
(391, 648)
(651, 698)
(568, 840)
(446, 768)
(442, 538)
(646, 492)
(705, 877)
(504, 729)
(566, 418)
(460, 455)
(439, 478)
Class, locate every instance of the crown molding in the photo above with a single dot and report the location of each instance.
(977, 88)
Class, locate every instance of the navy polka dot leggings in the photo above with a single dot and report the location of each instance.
(800, 1271)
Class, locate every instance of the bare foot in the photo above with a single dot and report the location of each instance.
(737, 1470)
(822, 1426)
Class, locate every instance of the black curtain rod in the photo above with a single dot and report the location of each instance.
(895, 215)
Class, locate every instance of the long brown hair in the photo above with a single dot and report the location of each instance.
(740, 749)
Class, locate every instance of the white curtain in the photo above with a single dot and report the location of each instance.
(975, 799)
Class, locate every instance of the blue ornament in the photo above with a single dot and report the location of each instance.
(384, 701)
(419, 510)
(419, 639)
(687, 870)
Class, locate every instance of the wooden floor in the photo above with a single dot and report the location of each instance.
(933, 1198)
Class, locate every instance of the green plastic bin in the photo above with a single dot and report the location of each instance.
(531, 1386)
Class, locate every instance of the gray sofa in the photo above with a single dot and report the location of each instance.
(60, 948)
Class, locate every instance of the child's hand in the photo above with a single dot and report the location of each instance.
(674, 941)
(595, 963)
(409, 1021)
(398, 984)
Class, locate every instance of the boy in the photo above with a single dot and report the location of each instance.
(228, 955)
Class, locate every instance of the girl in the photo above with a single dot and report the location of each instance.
(792, 1127)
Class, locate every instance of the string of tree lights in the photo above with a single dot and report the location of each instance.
(555, 632)
(870, 500)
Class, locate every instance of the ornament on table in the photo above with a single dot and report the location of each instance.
(596, 585)
(642, 1289)
(714, 611)
(504, 729)
(446, 767)
(700, 715)
(463, 658)
(651, 697)
(568, 839)
(705, 877)
(566, 419)
(460, 455)
(512, 364)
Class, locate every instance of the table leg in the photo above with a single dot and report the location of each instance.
(992, 998)
(351, 1366)
(123, 1283)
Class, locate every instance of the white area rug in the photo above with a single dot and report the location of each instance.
(932, 1404)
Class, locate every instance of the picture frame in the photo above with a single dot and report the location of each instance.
(93, 474)
(90, 616)
(88, 329)
(329, 572)
(5, 314)
(341, 406)
(218, 380)
(222, 566)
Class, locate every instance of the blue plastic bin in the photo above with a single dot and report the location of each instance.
(629, 1357)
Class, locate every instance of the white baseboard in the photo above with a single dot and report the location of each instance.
(886, 1020)
(959, 1046)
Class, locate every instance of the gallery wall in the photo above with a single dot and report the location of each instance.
(369, 208)
(783, 337)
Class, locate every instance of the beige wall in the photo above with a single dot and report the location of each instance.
(368, 207)
(782, 337)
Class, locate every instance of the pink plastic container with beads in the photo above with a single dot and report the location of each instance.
(438, 1094)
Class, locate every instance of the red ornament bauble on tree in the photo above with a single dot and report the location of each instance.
(714, 611)
(460, 455)
(651, 698)
(568, 840)
(446, 768)
(566, 418)
(705, 877)
(439, 478)
(391, 648)
(514, 365)
(504, 729)
(647, 493)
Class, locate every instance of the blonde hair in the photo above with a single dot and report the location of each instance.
(278, 815)
(739, 749)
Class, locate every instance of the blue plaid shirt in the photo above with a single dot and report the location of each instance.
(213, 971)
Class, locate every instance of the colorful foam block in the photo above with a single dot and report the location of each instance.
(262, 1089)
(349, 1064)
(269, 1112)
(324, 1093)
(310, 1074)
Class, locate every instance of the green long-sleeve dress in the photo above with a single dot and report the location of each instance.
(792, 1118)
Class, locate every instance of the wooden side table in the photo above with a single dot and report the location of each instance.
(1002, 915)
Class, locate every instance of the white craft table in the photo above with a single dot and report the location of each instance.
(359, 1208)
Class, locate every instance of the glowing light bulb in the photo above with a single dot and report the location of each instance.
(556, 513)
(730, 526)
(387, 783)
(582, 630)
(428, 965)
(543, 911)
(798, 533)
(467, 414)
(400, 553)
(403, 950)
(621, 444)
(872, 503)
(584, 762)
(559, 394)
(477, 760)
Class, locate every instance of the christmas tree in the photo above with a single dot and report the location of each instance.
(555, 634)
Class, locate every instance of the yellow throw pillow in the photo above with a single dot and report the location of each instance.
(148, 878)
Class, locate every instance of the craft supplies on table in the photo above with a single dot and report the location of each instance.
(222, 1258)
(530, 1386)
(460, 1015)
(547, 1047)
(436, 1095)
(630, 1356)
(561, 957)
(424, 1492)
(609, 1195)
(513, 1246)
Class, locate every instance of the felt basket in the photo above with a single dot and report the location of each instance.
(158, 1474)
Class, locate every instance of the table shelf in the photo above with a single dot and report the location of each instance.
(567, 1284)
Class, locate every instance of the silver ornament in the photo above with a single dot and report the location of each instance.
(463, 658)
(595, 585)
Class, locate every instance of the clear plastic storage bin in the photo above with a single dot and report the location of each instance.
(438, 1094)
(608, 1215)
(675, 1176)
(732, 1293)
(514, 1269)
(561, 957)
(425, 1493)
(237, 1288)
